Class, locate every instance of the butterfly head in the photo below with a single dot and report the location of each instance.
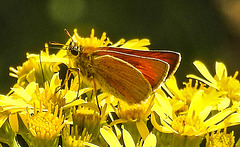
(74, 48)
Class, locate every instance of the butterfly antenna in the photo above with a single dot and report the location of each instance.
(69, 35)
(55, 43)
(66, 31)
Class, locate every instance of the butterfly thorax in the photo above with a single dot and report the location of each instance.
(81, 59)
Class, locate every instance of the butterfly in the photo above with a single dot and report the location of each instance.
(130, 75)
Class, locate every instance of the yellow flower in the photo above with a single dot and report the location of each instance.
(72, 138)
(112, 140)
(51, 93)
(134, 117)
(45, 126)
(109, 100)
(38, 68)
(182, 98)
(88, 119)
(93, 41)
(22, 98)
(221, 81)
(132, 44)
(9, 108)
(220, 139)
(196, 122)
(10, 105)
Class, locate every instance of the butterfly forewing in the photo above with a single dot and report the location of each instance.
(172, 58)
(154, 70)
(121, 79)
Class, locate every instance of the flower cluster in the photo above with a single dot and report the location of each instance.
(46, 110)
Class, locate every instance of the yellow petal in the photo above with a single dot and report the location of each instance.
(55, 81)
(21, 92)
(13, 120)
(160, 128)
(31, 76)
(127, 138)
(219, 117)
(204, 71)
(196, 104)
(223, 104)
(89, 144)
(117, 130)
(205, 113)
(120, 42)
(31, 87)
(163, 106)
(204, 81)
(23, 117)
(74, 103)
(142, 129)
(110, 137)
(171, 84)
(221, 70)
(150, 141)
(234, 118)
(166, 89)
(90, 105)
(137, 44)
(3, 118)
(70, 96)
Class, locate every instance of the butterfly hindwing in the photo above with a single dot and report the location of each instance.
(121, 79)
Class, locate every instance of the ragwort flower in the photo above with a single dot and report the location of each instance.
(221, 81)
(182, 98)
(38, 68)
(45, 127)
(220, 139)
(134, 117)
(51, 93)
(195, 122)
(93, 41)
(88, 119)
(72, 138)
(22, 98)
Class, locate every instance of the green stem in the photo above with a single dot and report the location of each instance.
(186, 141)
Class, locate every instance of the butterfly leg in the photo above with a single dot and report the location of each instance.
(67, 77)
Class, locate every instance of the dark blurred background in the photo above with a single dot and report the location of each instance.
(205, 30)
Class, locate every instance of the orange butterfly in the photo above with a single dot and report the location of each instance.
(130, 75)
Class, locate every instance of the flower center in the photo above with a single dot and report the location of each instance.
(185, 125)
(133, 112)
(45, 125)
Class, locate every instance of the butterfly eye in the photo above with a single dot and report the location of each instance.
(74, 52)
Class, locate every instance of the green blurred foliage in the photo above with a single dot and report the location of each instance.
(196, 29)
